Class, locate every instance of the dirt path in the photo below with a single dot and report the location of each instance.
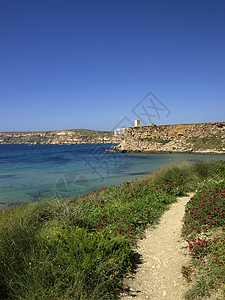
(159, 275)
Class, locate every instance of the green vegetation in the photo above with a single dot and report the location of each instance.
(160, 141)
(205, 233)
(91, 132)
(163, 141)
(83, 248)
(210, 142)
(45, 137)
(185, 175)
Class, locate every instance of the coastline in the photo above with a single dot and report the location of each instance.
(63, 137)
(90, 228)
(166, 152)
(208, 138)
(30, 172)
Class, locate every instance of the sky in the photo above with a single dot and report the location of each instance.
(101, 64)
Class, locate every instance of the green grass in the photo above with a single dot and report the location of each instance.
(83, 248)
(187, 176)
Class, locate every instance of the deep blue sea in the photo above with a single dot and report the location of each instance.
(30, 172)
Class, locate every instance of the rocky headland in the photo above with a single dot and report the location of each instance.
(196, 138)
(74, 136)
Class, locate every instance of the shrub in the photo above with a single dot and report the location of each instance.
(204, 232)
(82, 248)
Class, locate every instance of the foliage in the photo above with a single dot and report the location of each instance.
(125, 210)
(83, 248)
(77, 249)
(187, 176)
(205, 234)
(149, 139)
(209, 142)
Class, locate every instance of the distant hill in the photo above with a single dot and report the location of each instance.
(91, 132)
(72, 136)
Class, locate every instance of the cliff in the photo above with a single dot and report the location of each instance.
(74, 136)
(198, 138)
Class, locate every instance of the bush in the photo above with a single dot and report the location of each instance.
(77, 249)
(205, 234)
(19, 242)
(81, 265)
(82, 248)
(188, 176)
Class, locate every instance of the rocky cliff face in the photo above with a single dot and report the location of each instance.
(201, 137)
(81, 136)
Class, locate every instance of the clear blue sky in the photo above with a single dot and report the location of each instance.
(89, 63)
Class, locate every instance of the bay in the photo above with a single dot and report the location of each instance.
(30, 172)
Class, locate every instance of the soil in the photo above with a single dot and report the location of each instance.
(161, 256)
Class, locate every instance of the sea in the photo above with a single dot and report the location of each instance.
(32, 172)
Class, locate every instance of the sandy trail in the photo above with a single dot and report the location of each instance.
(159, 275)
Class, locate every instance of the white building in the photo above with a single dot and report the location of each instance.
(119, 132)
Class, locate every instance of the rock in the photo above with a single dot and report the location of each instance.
(187, 138)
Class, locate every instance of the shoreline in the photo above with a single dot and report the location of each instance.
(208, 138)
(166, 152)
(115, 218)
(116, 150)
(38, 144)
(40, 181)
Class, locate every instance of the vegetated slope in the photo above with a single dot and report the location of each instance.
(82, 248)
(162, 252)
(204, 231)
(92, 132)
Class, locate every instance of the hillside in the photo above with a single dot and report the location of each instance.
(198, 138)
(73, 136)
(84, 248)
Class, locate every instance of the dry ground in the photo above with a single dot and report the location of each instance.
(162, 255)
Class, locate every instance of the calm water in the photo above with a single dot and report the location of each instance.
(31, 172)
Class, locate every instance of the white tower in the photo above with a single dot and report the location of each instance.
(137, 123)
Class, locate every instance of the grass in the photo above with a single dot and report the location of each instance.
(185, 175)
(83, 248)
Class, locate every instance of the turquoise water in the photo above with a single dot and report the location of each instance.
(30, 172)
